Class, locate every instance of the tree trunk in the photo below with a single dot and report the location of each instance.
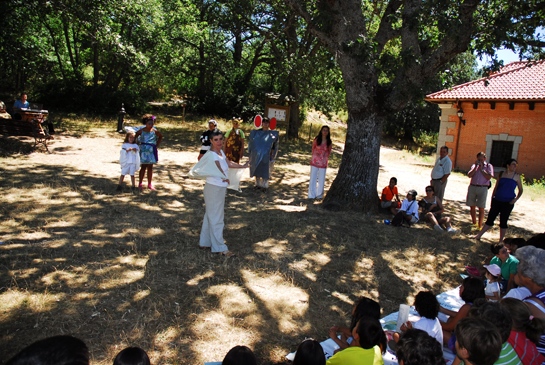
(95, 63)
(355, 186)
(295, 122)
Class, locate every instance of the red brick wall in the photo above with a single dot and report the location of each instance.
(530, 124)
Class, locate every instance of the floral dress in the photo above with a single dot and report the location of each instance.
(148, 147)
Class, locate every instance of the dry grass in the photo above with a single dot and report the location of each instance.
(120, 270)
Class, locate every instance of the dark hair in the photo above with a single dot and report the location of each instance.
(265, 120)
(480, 339)
(444, 148)
(239, 355)
(537, 241)
(215, 132)
(514, 241)
(481, 154)
(522, 319)
(146, 117)
(394, 178)
(417, 347)
(57, 350)
(496, 247)
(23, 94)
(499, 316)
(430, 187)
(319, 136)
(426, 304)
(370, 332)
(365, 307)
(309, 352)
(473, 289)
(509, 162)
(132, 356)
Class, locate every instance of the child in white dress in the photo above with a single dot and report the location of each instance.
(492, 290)
(129, 160)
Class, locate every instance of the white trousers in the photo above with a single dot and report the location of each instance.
(212, 224)
(316, 173)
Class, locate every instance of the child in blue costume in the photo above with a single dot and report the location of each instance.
(149, 138)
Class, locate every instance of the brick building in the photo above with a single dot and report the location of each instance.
(503, 115)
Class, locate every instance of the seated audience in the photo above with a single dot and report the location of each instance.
(507, 263)
(57, 350)
(309, 352)
(432, 209)
(478, 342)
(364, 350)
(390, 198)
(416, 347)
(239, 355)
(493, 275)
(409, 207)
(132, 356)
(525, 332)
(427, 306)
(3, 113)
(537, 241)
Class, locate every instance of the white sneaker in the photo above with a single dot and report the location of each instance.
(453, 230)
(438, 228)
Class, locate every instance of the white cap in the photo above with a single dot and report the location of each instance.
(493, 269)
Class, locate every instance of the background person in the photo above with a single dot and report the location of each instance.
(432, 208)
(503, 198)
(387, 200)
(3, 113)
(21, 103)
(234, 141)
(440, 173)
(480, 173)
(409, 207)
(321, 149)
(206, 139)
(150, 139)
(263, 149)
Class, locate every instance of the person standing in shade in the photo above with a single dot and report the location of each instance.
(234, 142)
(206, 139)
(321, 149)
(263, 149)
(480, 173)
(441, 172)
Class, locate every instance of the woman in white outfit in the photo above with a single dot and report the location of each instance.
(214, 200)
(321, 149)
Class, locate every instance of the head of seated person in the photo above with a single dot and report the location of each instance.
(57, 350)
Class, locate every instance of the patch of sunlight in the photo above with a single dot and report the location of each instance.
(286, 304)
(167, 335)
(124, 307)
(133, 260)
(12, 246)
(345, 298)
(318, 258)
(13, 299)
(175, 204)
(233, 300)
(141, 295)
(200, 277)
(272, 246)
(67, 278)
(33, 236)
(155, 231)
(118, 279)
(23, 274)
(291, 208)
(285, 201)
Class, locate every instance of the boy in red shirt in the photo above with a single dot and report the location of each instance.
(387, 199)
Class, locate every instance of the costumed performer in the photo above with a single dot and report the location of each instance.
(263, 149)
(234, 141)
(206, 137)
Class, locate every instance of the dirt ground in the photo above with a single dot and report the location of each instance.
(123, 270)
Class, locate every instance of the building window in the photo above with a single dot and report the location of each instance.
(501, 152)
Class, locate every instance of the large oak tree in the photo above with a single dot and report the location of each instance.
(427, 35)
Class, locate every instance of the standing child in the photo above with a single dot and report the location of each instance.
(129, 160)
(321, 149)
(493, 275)
(150, 138)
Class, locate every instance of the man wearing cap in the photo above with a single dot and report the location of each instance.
(480, 173)
(263, 149)
(440, 173)
(206, 139)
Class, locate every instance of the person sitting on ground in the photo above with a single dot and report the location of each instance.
(427, 306)
(239, 355)
(507, 263)
(365, 307)
(365, 348)
(537, 241)
(513, 243)
(501, 319)
(56, 350)
(492, 289)
(3, 113)
(309, 352)
(432, 209)
(387, 200)
(478, 342)
(470, 290)
(409, 209)
(520, 292)
(132, 356)
(416, 347)
(525, 332)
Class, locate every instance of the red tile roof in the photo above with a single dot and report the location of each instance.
(520, 80)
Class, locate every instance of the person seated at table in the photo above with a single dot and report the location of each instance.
(432, 209)
(21, 103)
(24, 104)
(3, 113)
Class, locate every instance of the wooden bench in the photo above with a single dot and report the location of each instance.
(11, 127)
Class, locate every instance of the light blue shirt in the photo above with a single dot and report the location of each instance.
(19, 104)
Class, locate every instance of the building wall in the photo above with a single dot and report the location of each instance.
(525, 127)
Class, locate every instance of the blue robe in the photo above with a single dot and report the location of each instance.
(263, 149)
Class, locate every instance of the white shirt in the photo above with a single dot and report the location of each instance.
(490, 289)
(131, 156)
(224, 166)
(432, 327)
(410, 209)
(442, 167)
(520, 293)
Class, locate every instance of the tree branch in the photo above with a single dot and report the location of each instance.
(386, 32)
(296, 6)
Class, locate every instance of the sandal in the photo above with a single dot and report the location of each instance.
(228, 254)
(150, 187)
